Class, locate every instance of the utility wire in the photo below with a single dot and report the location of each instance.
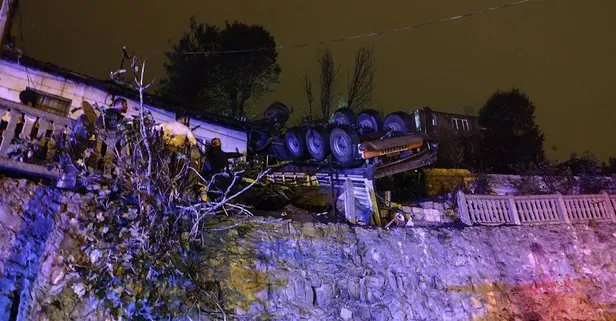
(364, 35)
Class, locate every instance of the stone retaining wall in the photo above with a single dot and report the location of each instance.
(336, 272)
(270, 269)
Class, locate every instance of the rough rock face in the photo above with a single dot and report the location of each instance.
(271, 270)
(268, 269)
(32, 221)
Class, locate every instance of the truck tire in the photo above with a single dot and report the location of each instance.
(295, 140)
(317, 143)
(343, 143)
(277, 113)
(399, 123)
(278, 149)
(258, 140)
(369, 121)
(344, 116)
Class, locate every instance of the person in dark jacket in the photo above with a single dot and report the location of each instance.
(112, 117)
(217, 159)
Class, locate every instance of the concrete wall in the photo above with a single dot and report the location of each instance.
(281, 270)
(14, 78)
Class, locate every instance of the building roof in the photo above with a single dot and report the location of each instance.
(116, 89)
(448, 114)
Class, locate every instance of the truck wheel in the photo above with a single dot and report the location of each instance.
(258, 140)
(295, 141)
(344, 116)
(277, 113)
(317, 142)
(399, 123)
(343, 143)
(369, 121)
(279, 150)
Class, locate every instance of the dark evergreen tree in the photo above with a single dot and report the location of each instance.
(220, 69)
(512, 142)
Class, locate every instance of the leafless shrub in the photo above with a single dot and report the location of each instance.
(309, 96)
(141, 237)
(361, 83)
(328, 77)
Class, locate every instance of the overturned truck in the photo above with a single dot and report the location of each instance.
(348, 151)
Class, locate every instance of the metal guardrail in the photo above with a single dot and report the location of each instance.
(536, 209)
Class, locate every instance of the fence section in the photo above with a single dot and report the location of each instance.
(536, 209)
(27, 123)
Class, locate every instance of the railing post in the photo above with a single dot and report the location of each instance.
(9, 133)
(349, 202)
(609, 206)
(513, 211)
(562, 209)
(463, 208)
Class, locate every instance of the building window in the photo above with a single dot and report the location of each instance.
(465, 124)
(460, 124)
(51, 103)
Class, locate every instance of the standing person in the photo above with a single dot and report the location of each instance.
(111, 117)
(177, 134)
(179, 139)
(112, 121)
(217, 159)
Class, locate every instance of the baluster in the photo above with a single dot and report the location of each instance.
(490, 210)
(545, 210)
(9, 132)
(542, 210)
(609, 207)
(480, 209)
(572, 209)
(533, 211)
(485, 210)
(578, 207)
(522, 210)
(44, 125)
(52, 142)
(553, 210)
(585, 207)
(497, 208)
(594, 208)
(26, 131)
(561, 208)
(538, 210)
(514, 216)
(505, 210)
(601, 210)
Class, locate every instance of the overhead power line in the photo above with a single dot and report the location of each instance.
(364, 35)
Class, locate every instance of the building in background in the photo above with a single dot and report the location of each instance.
(62, 92)
(458, 136)
(431, 122)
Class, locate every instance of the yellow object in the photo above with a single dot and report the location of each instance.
(444, 180)
(203, 191)
(176, 134)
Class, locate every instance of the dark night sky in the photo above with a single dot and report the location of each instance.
(560, 52)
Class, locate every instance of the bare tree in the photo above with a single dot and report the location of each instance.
(138, 69)
(309, 95)
(361, 84)
(328, 76)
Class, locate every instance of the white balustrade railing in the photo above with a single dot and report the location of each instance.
(24, 122)
(536, 209)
